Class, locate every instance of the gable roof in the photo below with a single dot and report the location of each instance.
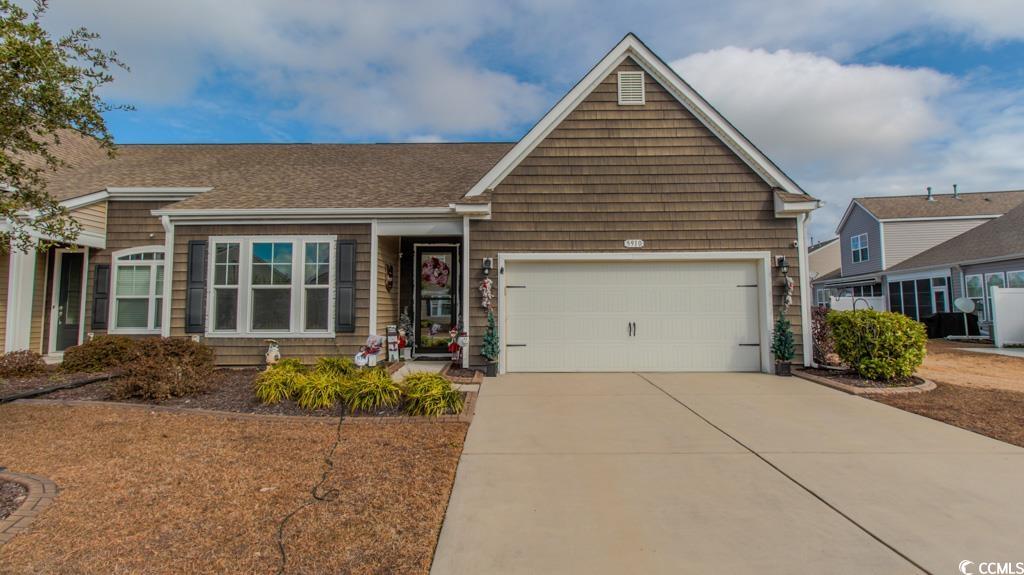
(631, 47)
(822, 244)
(252, 176)
(1000, 238)
(942, 205)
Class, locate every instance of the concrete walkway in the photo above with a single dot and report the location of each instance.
(711, 473)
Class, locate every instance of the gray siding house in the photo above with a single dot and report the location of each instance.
(881, 237)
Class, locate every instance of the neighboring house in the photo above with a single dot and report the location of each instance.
(632, 229)
(990, 255)
(877, 234)
(823, 258)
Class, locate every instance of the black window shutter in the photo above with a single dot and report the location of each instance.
(195, 291)
(345, 302)
(101, 296)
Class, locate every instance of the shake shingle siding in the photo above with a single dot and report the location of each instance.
(249, 351)
(611, 172)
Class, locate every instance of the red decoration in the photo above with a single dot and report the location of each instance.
(435, 272)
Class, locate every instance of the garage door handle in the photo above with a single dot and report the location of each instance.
(750, 345)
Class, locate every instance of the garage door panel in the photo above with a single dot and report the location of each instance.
(689, 316)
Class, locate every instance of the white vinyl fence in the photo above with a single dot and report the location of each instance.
(1008, 316)
(846, 303)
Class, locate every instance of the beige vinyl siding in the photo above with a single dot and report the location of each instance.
(5, 262)
(129, 225)
(609, 173)
(39, 315)
(824, 260)
(387, 302)
(905, 240)
(93, 217)
(249, 351)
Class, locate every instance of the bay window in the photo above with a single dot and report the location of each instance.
(272, 286)
(138, 290)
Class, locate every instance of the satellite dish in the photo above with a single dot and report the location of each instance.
(964, 304)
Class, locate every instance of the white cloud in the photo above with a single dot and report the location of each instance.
(808, 110)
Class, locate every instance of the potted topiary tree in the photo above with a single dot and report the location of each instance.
(783, 346)
(490, 348)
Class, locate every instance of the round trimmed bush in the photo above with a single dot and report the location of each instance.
(878, 345)
(21, 363)
(101, 353)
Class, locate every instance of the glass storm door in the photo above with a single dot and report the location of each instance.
(436, 284)
(69, 300)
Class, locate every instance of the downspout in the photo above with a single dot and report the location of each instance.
(165, 313)
(465, 287)
(805, 302)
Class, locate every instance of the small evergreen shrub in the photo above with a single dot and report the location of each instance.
(165, 368)
(430, 394)
(279, 381)
(491, 347)
(878, 345)
(21, 363)
(783, 344)
(370, 390)
(102, 353)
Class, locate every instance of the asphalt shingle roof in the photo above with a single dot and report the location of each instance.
(943, 205)
(291, 175)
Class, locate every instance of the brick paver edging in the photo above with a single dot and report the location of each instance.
(477, 379)
(928, 385)
(465, 417)
(41, 493)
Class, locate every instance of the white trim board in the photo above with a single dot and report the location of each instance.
(762, 258)
(631, 47)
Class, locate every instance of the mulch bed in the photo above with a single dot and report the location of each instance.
(12, 494)
(854, 379)
(159, 492)
(230, 390)
(996, 413)
(53, 376)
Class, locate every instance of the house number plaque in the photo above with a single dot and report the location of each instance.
(634, 243)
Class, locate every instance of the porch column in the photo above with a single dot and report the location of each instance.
(466, 263)
(374, 247)
(20, 287)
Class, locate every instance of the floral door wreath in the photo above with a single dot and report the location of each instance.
(435, 272)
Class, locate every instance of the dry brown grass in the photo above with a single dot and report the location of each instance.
(948, 363)
(151, 492)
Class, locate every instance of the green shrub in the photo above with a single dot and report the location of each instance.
(279, 381)
(320, 389)
(337, 366)
(165, 368)
(879, 345)
(101, 353)
(783, 345)
(370, 390)
(430, 394)
(21, 363)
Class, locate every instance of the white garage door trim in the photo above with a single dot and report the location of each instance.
(762, 259)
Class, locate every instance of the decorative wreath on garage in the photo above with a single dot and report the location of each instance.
(435, 272)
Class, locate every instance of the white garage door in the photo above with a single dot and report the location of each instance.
(632, 316)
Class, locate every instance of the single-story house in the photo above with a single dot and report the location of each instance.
(633, 228)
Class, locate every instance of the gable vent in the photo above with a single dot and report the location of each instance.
(631, 88)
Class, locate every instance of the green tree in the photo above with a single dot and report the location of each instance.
(490, 348)
(783, 344)
(49, 93)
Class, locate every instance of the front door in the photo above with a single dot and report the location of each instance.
(436, 301)
(68, 304)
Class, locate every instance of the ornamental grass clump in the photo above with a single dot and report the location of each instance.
(279, 381)
(320, 389)
(371, 390)
(878, 345)
(431, 394)
(337, 366)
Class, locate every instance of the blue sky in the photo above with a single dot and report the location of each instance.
(850, 97)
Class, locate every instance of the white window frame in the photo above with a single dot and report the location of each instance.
(115, 263)
(984, 315)
(1010, 273)
(988, 292)
(861, 241)
(243, 324)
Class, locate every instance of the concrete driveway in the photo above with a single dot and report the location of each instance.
(709, 473)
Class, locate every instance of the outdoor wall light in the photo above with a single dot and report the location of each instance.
(782, 264)
(488, 264)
